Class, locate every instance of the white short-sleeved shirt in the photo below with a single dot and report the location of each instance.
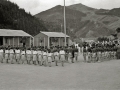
(17, 51)
(23, 52)
(62, 52)
(49, 54)
(11, 51)
(56, 54)
(39, 52)
(44, 53)
(28, 52)
(1, 51)
(34, 52)
(7, 51)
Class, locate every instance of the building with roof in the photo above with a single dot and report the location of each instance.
(14, 38)
(50, 39)
(88, 39)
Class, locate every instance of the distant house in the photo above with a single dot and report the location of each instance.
(111, 37)
(50, 39)
(88, 39)
(14, 38)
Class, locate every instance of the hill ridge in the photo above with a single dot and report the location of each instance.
(91, 23)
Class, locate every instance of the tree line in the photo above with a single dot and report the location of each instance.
(13, 17)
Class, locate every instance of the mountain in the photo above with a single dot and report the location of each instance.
(56, 13)
(82, 8)
(13, 17)
(81, 21)
(54, 19)
(114, 12)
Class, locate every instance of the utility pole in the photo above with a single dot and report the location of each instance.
(64, 23)
(61, 27)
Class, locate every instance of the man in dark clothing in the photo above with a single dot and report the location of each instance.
(73, 53)
(118, 52)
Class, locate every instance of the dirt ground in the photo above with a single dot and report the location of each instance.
(73, 76)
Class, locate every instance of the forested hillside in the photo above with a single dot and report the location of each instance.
(13, 17)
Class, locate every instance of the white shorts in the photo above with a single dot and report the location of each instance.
(7, 56)
(34, 57)
(44, 58)
(28, 57)
(23, 57)
(40, 58)
(49, 59)
(56, 58)
(62, 57)
(12, 56)
(17, 56)
(1, 56)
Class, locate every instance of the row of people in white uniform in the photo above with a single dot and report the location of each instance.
(42, 57)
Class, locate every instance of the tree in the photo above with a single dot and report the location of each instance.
(118, 30)
(12, 17)
(101, 39)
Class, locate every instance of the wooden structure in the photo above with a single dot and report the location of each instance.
(15, 38)
(50, 39)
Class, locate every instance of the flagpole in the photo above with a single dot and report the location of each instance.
(64, 23)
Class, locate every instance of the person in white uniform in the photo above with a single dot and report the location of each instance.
(12, 55)
(29, 55)
(44, 57)
(7, 54)
(34, 56)
(62, 56)
(23, 55)
(40, 56)
(1, 54)
(3, 48)
(17, 51)
(56, 56)
(49, 57)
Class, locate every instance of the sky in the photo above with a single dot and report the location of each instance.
(37, 6)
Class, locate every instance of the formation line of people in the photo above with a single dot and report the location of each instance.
(98, 52)
(38, 55)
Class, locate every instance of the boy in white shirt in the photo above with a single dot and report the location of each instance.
(34, 56)
(12, 55)
(18, 53)
(44, 57)
(40, 56)
(1, 54)
(62, 56)
(23, 55)
(7, 54)
(56, 56)
(29, 55)
(49, 57)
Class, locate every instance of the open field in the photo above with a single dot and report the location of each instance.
(76, 76)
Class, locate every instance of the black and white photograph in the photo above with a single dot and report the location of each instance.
(59, 44)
